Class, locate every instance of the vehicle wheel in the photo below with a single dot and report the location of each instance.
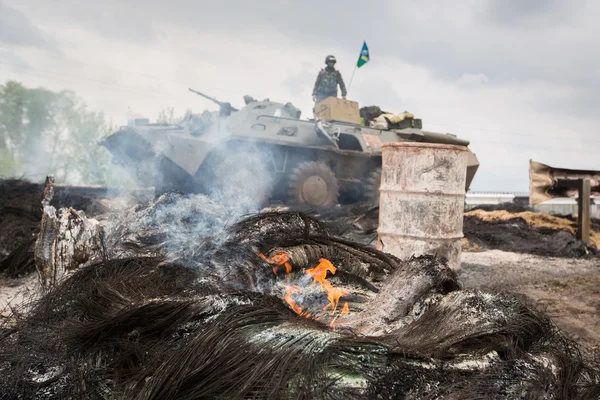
(243, 178)
(313, 183)
(372, 186)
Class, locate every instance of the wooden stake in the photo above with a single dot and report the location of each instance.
(583, 211)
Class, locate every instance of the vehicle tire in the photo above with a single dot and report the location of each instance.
(244, 179)
(372, 183)
(313, 183)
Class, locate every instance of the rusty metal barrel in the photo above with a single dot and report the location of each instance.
(421, 203)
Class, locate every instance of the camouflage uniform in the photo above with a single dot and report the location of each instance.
(326, 85)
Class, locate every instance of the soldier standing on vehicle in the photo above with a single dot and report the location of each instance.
(327, 82)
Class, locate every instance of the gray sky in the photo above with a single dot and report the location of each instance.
(519, 78)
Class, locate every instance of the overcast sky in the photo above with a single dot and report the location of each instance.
(520, 79)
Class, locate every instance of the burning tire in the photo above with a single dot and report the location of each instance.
(243, 178)
(372, 186)
(313, 183)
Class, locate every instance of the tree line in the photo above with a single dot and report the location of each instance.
(43, 132)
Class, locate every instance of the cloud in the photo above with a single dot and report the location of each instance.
(118, 21)
(379, 90)
(302, 81)
(17, 29)
(110, 19)
(530, 12)
(472, 80)
(450, 39)
(9, 58)
(582, 101)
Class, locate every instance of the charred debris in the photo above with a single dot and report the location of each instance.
(516, 228)
(181, 298)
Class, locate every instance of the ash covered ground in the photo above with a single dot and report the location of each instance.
(179, 299)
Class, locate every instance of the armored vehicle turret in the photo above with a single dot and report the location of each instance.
(266, 152)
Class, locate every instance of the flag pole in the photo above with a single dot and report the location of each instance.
(352, 77)
(356, 65)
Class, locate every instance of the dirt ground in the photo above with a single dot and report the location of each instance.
(14, 292)
(568, 290)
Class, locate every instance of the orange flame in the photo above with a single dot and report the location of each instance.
(319, 273)
(334, 294)
(345, 309)
(279, 259)
(288, 298)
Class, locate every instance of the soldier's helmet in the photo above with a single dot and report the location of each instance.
(330, 58)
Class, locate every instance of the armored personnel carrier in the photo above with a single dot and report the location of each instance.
(265, 152)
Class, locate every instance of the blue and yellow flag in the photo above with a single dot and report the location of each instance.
(364, 56)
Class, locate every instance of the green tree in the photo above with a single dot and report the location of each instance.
(85, 159)
(44, 132)
(12, 112)
(167, 116)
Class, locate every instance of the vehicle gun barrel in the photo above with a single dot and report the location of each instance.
(219, 103)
